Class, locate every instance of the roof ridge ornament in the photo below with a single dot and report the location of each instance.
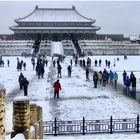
(73, 7)
(36, 7)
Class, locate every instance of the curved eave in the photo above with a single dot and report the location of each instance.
(97, 28)
(91, 20)
(53, 22)
(18, 20)
(11, 28)
(54, 28)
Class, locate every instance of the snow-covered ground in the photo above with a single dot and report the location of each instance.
(78, 98)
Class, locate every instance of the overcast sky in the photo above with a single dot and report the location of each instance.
(121, 17)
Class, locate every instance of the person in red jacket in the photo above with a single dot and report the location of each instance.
(57, 87)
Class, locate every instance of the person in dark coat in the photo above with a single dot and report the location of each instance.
(87, 74)
(8, 63)
(127, 83)
(54, 63)
(96, 62)
(76, 61)
(71, 62)
(95, 79)
(59, 71)
(84, 63)
(25, 86)
(81, 62)
(38, 70)
(46, 62)
(33, 63)
(131, 75)
(42, 71)
(57, 87)
(69, 71)
(109, 64)
(133, 81)
(21, 80)
(104, 77)
(106, 62)
(24, 65)
(124, 76)
(100, 61)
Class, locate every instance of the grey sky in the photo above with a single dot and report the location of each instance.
(121, 17)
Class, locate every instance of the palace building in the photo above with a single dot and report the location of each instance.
(54, 24)
(44, 29)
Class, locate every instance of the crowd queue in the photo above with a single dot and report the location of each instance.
(99, 78)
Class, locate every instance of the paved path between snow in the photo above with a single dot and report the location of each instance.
(53, 102)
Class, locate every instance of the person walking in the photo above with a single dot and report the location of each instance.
(87, 74)
(95, 79)
(133, 81)
(111, 75)
(104, 77)
(8, 62)
(100, 61)
(124, 76)
(24, 65)
(127, 83)
(71, 62)
(69, 71)
(21, 80)
(100, 77)
(59, 71)
(25, 86)
(57, 87)
(115, 79)
(33, 63)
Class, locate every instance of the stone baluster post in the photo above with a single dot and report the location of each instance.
(40, 120)
(21, 116)
(33, 118)
(2, 111)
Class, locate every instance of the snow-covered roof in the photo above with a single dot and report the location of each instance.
(55, 15)
(55, 28)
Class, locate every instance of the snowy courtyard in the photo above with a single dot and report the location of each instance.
(78, 98)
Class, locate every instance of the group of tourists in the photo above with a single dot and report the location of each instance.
(40, 68)
(84, 63)
(23, 83)
(108, 63)
(20, 65)
(103, 77)
(96, 62)
(130, 81)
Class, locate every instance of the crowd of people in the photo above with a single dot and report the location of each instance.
(20, 65)
(99, 78)
(104, 77)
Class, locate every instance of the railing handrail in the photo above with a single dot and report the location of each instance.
(83, 126)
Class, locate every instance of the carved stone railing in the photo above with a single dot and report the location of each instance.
(2, 111)
(27, 119)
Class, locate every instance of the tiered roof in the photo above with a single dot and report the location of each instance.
(55, 15)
